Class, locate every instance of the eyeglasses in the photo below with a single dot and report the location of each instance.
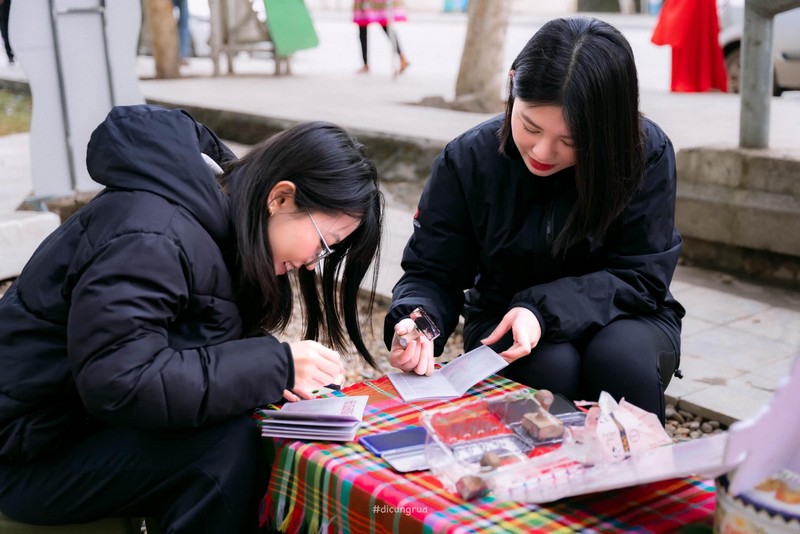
(324, 251)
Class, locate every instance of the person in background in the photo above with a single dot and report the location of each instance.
(141, 335)
(691, 28)
(551, 229)
(184, 36)
(5, 9)
(365, 12)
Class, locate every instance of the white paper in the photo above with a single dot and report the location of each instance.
(326, 409)
(299, 423)
(327, 419)
(452, 380)
(312, 434)
(616, 430)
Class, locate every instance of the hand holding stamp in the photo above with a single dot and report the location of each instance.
(423, 324)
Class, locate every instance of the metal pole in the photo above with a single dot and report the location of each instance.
(111, 94)
(99, 10)
(73, 180)
(757, 78)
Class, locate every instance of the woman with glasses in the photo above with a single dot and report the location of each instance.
(142, 333)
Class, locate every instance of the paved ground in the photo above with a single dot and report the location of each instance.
(739, 339)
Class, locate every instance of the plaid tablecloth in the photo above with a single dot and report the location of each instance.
(341, 487)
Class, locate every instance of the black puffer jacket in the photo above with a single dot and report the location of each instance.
(126, 314)
(486, 225)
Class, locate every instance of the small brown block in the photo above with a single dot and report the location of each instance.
(471, 487)
(542, 426)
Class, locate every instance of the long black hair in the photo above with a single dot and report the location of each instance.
(332, 175)
(586, 66)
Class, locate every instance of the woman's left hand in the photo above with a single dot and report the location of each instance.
(524, 327)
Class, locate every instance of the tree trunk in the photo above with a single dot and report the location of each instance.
(482, 73)
(164, 37)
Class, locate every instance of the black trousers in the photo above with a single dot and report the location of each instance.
(5, 7)
(631, 358)
(362, 36)
(195, 481)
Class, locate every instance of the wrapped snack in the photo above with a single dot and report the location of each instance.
(623, 429)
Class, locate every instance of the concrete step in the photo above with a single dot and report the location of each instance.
(739, 210)
(21, 232)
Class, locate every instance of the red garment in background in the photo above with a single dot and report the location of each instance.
(691, 28)
(368, 11)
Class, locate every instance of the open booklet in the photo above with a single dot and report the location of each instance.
(326, 419)
(452, 380)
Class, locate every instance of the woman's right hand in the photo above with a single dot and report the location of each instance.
(525, 328)
(416, 354)
(315, 366)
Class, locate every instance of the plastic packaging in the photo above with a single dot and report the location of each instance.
(516, 449)
(470, 445)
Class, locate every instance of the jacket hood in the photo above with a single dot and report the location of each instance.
(153, 149)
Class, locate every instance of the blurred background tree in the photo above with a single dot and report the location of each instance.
(482, 73)
(160, 22)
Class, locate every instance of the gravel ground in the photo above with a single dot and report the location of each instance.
(357, 370)
(681, 425)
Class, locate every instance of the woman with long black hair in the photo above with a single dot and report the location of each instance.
(141, 335)
(551, 229)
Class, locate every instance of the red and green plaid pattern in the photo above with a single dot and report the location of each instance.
(335, 487)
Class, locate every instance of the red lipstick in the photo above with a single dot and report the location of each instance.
(540, 166)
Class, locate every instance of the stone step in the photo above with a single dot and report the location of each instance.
(739, 210)
(21, 232)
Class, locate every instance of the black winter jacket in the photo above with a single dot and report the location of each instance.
(486, 224)
(126, 314)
